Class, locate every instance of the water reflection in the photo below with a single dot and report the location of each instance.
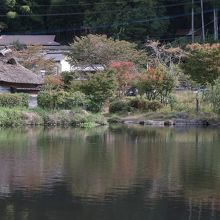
(117, 173)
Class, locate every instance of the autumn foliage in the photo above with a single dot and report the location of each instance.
(125, 74)
(33, 58)
(53, 82)
(155, 83)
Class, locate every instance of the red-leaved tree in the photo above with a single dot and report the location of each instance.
(125, 74)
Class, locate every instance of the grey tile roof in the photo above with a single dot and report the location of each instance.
(45, 40)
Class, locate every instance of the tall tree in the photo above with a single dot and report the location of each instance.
(131, 20)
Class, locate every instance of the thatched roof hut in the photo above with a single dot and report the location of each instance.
(15, 76)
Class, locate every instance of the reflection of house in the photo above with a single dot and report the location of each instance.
(16, 78)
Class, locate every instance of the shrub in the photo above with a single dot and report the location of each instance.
(213, 96)
(154, 106)
(68, 77)
(13, 100)
(52, 99)
(76, 99)
(139, 103)
(61, 100)
(75, 86)
(24, 99)
(119, 106)
(10, 117)
(53, 82)
(172, 101)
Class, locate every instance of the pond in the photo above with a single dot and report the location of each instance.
(116, 173)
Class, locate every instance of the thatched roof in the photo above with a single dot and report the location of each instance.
(13, 72)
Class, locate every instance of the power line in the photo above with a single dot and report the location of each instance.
(119, 23)
(79, 13)
(102, 3)
(183, 37)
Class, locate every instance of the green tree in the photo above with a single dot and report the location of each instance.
(99, 88)
(99, 49)
(127, 20)
(203, 63)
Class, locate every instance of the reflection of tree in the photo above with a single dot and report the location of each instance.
(98, 163)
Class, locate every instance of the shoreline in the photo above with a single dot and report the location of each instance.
(166, 121)
(16, 117)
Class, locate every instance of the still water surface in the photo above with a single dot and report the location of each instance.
(120, 173)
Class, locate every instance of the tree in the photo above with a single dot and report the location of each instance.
(99, 88)
(202, 63)
(99, 49)
(125, 74)
(127, 20)
(33, 58)
(164, 54)
(156, 83)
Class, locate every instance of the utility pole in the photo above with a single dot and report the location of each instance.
(215, 10)
(193, 27)
(202, 18)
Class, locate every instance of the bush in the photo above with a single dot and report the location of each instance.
(14, 100)
(119, 106)
(68, 77)
(76, 99)
(10, 117)
(24, 99)
(52, 99)
(139, 103)
(213, 96)
(154, 106)
(61, 100)
(53, 82)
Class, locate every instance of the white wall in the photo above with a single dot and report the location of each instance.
(65, 66)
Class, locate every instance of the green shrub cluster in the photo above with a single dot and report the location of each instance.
(13, 117)
(139, 103)
(134, 104)
(52, 99)
(24, 99)
(154, 106)
(10, 117)
(14, 100)
(213, 95)
(119, 106)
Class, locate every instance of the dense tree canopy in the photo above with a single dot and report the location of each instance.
(203, 63)
(133, 20)
(101, 50)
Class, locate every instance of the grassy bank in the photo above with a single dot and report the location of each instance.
(14, 117)
(183, 108)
